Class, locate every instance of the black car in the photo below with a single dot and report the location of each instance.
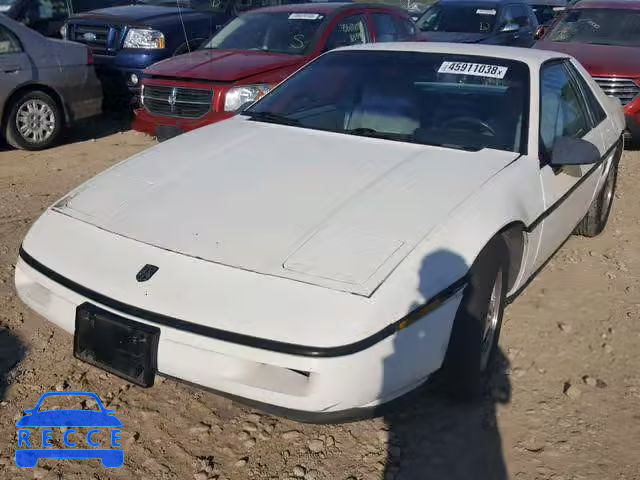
(48, 16)
(496, 22)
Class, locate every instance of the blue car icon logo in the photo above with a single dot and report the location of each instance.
(66, 419)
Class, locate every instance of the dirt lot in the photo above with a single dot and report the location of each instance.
(564, 402)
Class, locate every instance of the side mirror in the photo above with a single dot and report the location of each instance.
(539, 32)
(509, 28)
(574, 151)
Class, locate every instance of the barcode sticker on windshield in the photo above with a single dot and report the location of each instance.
(304, 16)
(481, 11)
(477, 69)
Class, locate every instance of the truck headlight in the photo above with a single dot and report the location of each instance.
(238, 96)
(143, 38)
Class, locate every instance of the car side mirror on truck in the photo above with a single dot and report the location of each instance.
(573, 151)
(509, 28)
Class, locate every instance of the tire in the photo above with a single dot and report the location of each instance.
(476, 327)
(596, 218)
(45, 115)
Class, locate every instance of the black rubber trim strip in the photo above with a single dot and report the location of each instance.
(532, 226)
(241, 339)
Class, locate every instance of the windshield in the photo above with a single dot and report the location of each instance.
(456, 101)
(281, 32)
(458, 18)
(599, 26)
(546, 13)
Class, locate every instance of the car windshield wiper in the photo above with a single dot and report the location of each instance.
(370, 132)
(271, 117)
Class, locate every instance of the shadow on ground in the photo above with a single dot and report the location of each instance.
(431, 436)
(108, 123)
(12, 352)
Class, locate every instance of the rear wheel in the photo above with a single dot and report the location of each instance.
(597, 216)
(476, 327)
(35, 121)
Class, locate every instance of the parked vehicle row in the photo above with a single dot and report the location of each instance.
(192, 78)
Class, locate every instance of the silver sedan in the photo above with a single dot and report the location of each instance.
(45, 85)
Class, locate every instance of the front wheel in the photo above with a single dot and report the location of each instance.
(35, 122)
(476, 327)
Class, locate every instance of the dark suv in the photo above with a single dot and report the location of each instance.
(496, 22)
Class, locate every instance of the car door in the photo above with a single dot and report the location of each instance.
(510, 27)
(568, 190)
(348, 30)
(526, 26)
(15, 66)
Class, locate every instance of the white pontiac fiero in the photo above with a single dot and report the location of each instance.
(327, 250)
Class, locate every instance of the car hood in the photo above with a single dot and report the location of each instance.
(222, 65)
(323, 208)
(140, 14)
(599, 60)
(69, 418)
(455, 37)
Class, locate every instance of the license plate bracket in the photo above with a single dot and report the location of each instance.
(121, 346)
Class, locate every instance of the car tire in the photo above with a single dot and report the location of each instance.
(596, 218)
(45, 115)
(476, 327)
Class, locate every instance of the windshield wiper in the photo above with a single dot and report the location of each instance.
(271, 117)
(371, 132)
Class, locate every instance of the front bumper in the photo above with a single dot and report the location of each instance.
(150, 124)
(306, 388)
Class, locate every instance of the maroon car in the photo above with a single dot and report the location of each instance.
(605, 37)
(252, 54)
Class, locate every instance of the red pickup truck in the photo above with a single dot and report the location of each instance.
(604, 35)
(251, 55)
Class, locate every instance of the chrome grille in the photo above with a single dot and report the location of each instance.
(623, 88)
(95, 37)
(177, 101)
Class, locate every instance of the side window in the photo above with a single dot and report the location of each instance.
(8, 42)
(405, 27)
(386, 30)
(508, 16)
(597, 112)
(51, 9)
(348, 31)
(562, 113)
(521, 15)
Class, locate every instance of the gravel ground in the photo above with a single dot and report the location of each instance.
(563, 402)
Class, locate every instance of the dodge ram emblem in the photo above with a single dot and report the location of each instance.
(146, 273)
(171, 99)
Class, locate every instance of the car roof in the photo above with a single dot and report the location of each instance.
(614, 4)
(530, 56)
(324, 8)
(482, 2)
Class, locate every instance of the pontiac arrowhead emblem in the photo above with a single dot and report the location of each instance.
(146, 273)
